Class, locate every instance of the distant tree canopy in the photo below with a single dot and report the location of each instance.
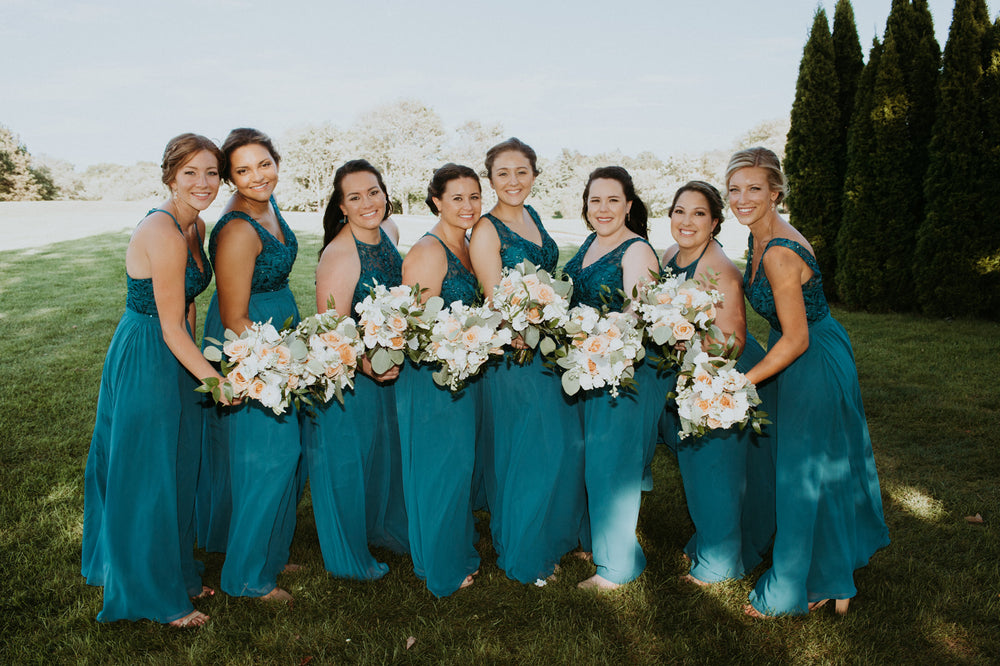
(20, 178)
(407, 141)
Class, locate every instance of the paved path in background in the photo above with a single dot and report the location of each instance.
(32, 224)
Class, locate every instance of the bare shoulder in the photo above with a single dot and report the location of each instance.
(426, 249)
(715, 259)
(391, 229)
(341, 253)
(641, 252)
(484, 232)
(157, 230)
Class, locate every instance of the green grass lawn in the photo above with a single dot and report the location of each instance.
(930, 389)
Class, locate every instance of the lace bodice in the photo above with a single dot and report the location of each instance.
(274, 263)
(514, 248)
(459, 283)
(588, 282)
(381, 263)
(759, 293)
(139, 292)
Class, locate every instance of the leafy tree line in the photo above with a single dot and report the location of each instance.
(407, 141)
(892, 163)
(20, 178)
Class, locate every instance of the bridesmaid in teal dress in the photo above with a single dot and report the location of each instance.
(352, 449)
(615, 429)
(437, 428)
(533, 468)
(253, 250)
(828, 505)
(138, 517)
(714, 468)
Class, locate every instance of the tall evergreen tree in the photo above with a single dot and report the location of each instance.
(815, 185)
(987, 259)
(859, 264)
(948, 241)
(849, 62)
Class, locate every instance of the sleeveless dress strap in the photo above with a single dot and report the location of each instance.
(176, 223)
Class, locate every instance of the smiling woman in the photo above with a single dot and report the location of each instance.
(250, 479)
(140, 478)
(352, 449)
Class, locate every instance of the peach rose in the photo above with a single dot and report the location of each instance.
(534, 315)
(397, 323)
(237, 349)
(256, 388)
(347, 355)
(238, 378)
(545, 294)
(683, 330)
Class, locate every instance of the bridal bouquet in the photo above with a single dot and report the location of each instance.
(395, 324)
(333, 346)
(712, 393)
(461, 340)
(675, 311)
(600, 350)
(261, 364)
(534, 305)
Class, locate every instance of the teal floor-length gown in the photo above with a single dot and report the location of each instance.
(263, 449)
(437, 432)
(534, 474)
(139, 482)
(352, 450)
(615, 432)
(720, 471)
(828, 506)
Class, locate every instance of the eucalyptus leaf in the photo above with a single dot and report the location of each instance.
(381, 361)
(570, 384)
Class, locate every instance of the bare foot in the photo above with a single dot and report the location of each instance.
(191, 620)
(467, 582)
(596, 582)
(277, 594)
(584, 555)
(688, 578)
(554, 575)
(750, 611)
(206, 591)
(291, 568)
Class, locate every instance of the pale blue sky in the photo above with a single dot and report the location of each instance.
(94, 81)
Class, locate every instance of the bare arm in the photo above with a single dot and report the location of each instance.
(336, 276)
(236, 253)
(784, 270)
(166, 253)
(731, 314)
(484, 250)
(637, 262)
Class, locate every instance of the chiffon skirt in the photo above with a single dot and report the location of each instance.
(138, 531)
(828, 506)
(264, 451)
(352, 451)
(733, 527)
(616, 436)
(437, 431)
(534, 479)
(214, 503)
